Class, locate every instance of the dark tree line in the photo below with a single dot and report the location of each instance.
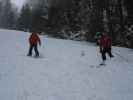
(25, 18)
(115, 17)
(31, 18)
(8, 15)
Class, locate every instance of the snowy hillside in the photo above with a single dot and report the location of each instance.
(67, 70)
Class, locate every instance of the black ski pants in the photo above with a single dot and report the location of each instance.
(35, 49)
(104, 51)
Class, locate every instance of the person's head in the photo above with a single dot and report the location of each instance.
(33, 33)
(36, 31)
(99, 34)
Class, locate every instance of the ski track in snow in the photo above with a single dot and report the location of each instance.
(67, 70)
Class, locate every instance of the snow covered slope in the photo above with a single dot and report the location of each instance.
(67, 70)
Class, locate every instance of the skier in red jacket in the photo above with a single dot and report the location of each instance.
(33, 41)
(105, 44)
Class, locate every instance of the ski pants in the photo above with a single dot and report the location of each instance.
(104, 51)
(35, 49)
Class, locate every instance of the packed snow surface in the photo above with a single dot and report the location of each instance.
(65, 70)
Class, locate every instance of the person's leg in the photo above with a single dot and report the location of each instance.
(30, 50)
(36, 51)
(109, 52)
(104, 54)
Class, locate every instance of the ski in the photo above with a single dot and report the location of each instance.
(98, 66)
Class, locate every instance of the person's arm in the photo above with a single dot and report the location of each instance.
(39, 41)
(110, 42)
(30, 39)
(100, 45)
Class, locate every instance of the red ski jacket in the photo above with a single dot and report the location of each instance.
(34, 39)
(105, 42)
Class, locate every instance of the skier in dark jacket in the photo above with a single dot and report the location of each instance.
(33, 42)
(105, 44)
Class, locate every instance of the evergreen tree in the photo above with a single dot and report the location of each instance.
(25, 18)
(37, 16)
(0, 14)
(7, 15)
(128, 4)
(96, 19)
